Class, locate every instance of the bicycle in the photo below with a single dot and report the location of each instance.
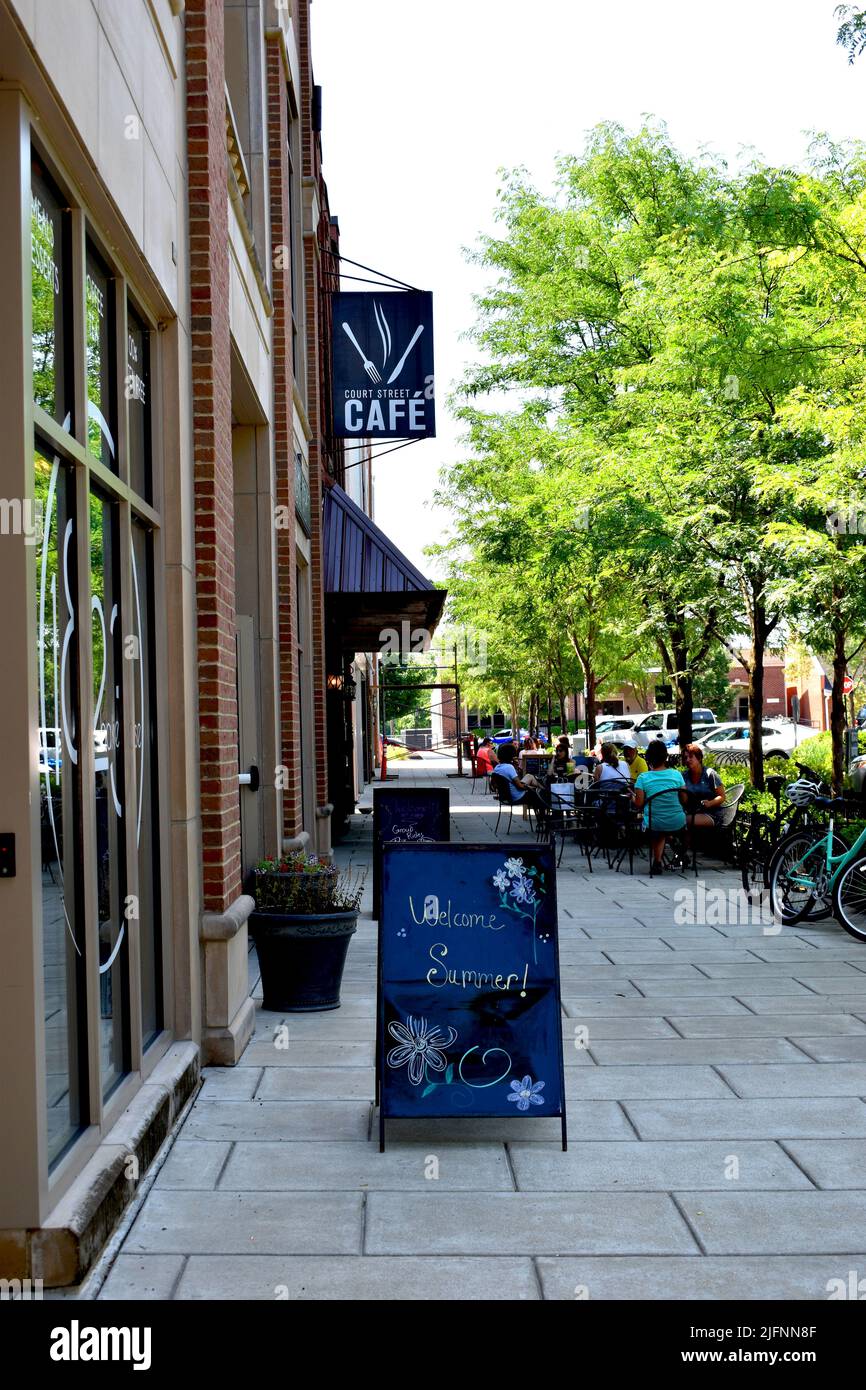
(759, 834)
(810, 869)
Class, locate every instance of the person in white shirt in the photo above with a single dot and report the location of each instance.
(612, 769)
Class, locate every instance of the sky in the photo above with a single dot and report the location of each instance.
(425, 100)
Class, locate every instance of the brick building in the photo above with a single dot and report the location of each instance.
(179, 649)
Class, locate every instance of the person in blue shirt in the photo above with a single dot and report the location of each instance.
(668, 790)
(705, 789)
(520, 789)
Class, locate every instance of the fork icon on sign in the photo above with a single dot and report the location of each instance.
(369, 368)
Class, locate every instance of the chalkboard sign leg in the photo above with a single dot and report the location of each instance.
(564, 1135)
(381, 1129)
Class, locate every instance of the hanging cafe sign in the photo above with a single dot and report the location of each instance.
(383, 365)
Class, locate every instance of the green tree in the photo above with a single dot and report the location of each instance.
(399, 675)
(665, 326)
(852, 31)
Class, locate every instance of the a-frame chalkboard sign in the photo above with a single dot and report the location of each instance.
(406, 815)
(470, 1021)
(412, 815)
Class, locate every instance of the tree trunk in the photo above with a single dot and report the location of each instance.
(685, 708)
(684, 689)
(756, 720)
(515, 717)
(837, 711)
(591, 684)
(756, 697)
(563, 722)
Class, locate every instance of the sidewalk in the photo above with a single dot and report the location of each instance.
(716, 1114)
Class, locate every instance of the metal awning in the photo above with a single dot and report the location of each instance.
(369, 584)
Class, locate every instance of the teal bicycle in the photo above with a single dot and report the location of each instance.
(813, 872)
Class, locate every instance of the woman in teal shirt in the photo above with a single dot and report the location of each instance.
(668, 790)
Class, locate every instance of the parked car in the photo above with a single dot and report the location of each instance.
(615, 726)
(662, 723)
(779, 739)
(702, 737)
(857, 773)
(505, 735)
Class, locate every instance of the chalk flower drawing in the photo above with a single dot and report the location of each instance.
(525, 1093)
(519, 891)
(421, 1047)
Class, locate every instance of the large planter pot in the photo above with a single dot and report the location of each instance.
(302, 958)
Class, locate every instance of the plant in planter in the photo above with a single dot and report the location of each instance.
(306, 912)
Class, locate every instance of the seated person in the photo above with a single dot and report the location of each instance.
(521, 790)
(529, 745)
(632, 754)
(561, 764)
(706, 791)
(611, 769)
(668, 792)
(485, 758)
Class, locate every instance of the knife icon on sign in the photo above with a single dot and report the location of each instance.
(399, 367)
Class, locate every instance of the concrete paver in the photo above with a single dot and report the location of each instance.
(775, 1223)
(525, 1223)
(712, 1278)
(656, 1167)
(830, 1162)
(748, 1119)
(318, 1277)
(768, 1026)
(831, 1049)
(692, 1051)
(236, 1223)
(716, 1120)
(310, 1166)
(825, 1079)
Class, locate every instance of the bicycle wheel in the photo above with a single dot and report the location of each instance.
(822, 908)
(849, 898)
(793, 885)
(754, 873)
(817, 905)
(755, 849)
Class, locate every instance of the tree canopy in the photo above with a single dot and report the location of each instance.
(663, 417)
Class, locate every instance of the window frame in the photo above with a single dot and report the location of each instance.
(91, 475)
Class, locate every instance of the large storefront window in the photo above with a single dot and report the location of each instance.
(108, 735)
(63, 937)
(49, 249)
(100, 363)
(137, 392)
(97, 642)
(147, 808)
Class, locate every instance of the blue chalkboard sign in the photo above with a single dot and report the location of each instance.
(470, 1019)
(411, 815)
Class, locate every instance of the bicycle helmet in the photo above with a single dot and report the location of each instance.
(801, 792)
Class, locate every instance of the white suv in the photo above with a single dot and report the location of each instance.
(612, 727)
(779, 740)
(662, 723)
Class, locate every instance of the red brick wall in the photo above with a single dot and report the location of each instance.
(284, 450)
(774, 691)
(212, 452)
(319, 476)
